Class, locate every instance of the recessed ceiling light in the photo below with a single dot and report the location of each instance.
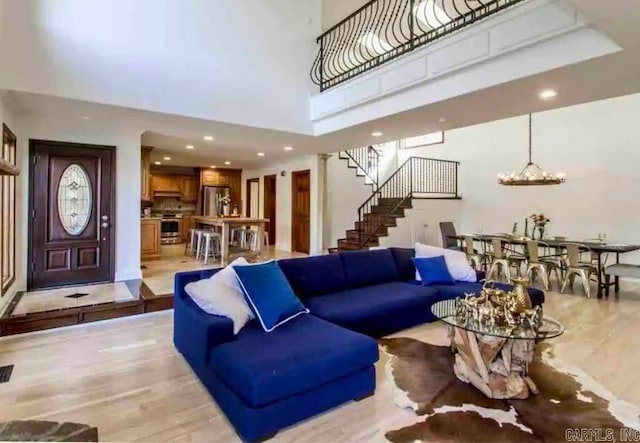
(227, 163)
(190, 147)
(213, 166)
(288, 148)
(260, 154)
(157, 163)
(547, 94)
(167, 158)
(84, 117)
(208, 138)
(442, 120)
(376, 134)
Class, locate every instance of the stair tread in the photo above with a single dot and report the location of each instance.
(355, 242)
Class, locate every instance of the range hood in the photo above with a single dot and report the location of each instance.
(166, 193)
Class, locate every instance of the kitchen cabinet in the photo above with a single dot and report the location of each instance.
(146, 193)
(185, 227)
(224, 177)
(188, 189)
(150, 233)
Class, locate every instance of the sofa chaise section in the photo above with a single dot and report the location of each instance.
(267, 381)
(298, 356)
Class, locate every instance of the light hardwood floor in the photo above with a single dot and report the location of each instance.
(125, 377)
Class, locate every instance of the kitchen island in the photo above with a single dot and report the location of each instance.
(226, 223)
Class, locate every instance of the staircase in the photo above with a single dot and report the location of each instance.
(416, 178)
(365, 160)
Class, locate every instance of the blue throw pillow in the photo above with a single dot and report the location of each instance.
(433, 270)
(269, 294)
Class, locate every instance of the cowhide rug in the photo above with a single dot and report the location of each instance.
(40, 430)
(454, 411)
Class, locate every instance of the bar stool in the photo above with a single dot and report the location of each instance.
(212, 243)
(238, 237)
(192, 243)
(200, 241)
(252, 239)
(265, 235)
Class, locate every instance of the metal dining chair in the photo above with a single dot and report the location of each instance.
(475, 259)
(577, 267)
(500, 261)
(540, 265)
(448, 231)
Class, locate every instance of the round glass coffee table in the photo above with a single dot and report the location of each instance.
(495, 359)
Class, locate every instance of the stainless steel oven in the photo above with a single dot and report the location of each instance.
(170, 231)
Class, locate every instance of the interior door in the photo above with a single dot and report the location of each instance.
(270, 206)
(253, 196)
(71, 229)
(301, 211)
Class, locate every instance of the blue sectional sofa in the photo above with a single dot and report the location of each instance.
(267, 381)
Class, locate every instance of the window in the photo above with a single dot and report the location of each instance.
(434, 138)
(7, 213)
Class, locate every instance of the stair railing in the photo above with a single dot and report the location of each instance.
(417, 177)
(367, 160)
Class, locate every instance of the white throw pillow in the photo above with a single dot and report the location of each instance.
(457, 262)
(222, 295)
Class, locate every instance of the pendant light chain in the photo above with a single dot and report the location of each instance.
(530, 143)
(531, 174)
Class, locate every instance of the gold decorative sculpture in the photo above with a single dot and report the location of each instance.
(498, 308)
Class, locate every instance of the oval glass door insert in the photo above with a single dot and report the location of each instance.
(74, 199)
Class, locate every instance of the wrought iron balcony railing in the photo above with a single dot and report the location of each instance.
(382, 30)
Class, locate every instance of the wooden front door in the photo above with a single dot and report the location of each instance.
(71, 200)
(301, 211)
(270, 206)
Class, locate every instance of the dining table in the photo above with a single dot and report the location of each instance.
(225, 224)
(598, 248)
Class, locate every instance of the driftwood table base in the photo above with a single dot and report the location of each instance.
(496, 366)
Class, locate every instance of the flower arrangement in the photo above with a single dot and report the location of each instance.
(539, 220)
(539, 223)
(225, 199)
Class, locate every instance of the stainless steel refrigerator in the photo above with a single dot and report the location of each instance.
(212, 200)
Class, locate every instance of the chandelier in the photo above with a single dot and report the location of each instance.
(531, 174)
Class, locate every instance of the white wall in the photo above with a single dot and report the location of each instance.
(333, 11)
(127, 142)
(595, 144)
(243, 62)
(283, 199)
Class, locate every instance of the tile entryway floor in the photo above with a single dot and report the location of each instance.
(72, 297)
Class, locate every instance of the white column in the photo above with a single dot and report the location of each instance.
(322, 200)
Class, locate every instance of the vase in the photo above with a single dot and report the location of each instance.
(521, 299)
